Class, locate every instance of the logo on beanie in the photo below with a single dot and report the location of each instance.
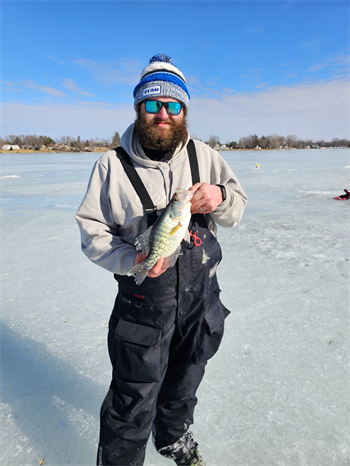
(149, 91)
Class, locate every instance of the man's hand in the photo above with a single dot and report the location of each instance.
(156, 270)
(206, 198)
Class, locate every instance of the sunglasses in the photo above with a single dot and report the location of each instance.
(154, 106)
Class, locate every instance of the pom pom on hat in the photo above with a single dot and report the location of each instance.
(161, 78)
(161, 57)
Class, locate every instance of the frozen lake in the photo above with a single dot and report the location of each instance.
(277, 391)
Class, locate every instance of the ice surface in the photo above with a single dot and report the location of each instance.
(277, 391)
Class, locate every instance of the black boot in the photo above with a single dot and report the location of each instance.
(193, 458)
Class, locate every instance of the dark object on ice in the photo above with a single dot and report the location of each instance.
(343, 197)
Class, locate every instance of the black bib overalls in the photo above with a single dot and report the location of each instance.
(161, 335)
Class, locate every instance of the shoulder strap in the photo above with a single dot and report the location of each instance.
(192, 155)
(150, 208)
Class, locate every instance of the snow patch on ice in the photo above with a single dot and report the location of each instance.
(65, 206)
(82, 420)
(314, 194)
(12, 435)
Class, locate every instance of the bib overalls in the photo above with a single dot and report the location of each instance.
(161, 335)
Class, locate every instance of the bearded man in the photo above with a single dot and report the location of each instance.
(162, 332)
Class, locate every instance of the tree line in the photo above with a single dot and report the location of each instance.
(33, 141)
(275, 141)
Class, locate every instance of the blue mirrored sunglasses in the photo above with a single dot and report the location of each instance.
(154, 106)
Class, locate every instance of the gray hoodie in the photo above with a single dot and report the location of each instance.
(111, 215)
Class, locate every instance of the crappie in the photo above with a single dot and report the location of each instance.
(164, 237)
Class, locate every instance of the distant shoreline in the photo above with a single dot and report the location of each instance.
(99, 149)
(105, 149)
(48, 151)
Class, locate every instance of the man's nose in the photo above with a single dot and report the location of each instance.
(163, 113)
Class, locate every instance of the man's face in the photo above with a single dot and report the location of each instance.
(160, 131)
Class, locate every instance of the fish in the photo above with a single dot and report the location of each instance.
(163, 239)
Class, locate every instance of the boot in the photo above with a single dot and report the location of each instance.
(193, 458)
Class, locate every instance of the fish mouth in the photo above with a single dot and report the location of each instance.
(183, 194)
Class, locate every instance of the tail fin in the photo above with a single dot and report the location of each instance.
(140, 272)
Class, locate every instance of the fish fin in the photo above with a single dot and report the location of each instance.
(170, 261)
(175, 229)
(187, 236)
(142, 242)
(140, 272)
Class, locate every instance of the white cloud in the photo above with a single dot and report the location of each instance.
(315, 111)
(261, 85)
(319, 67)
(57, 60)
(228, 90)
(196, 87)
(51, 91)
(9, 86)
(45, 89)
(73, 87)
(7, 83)
(338, 63)
(86, 119)
(126, 72)
(310, 43)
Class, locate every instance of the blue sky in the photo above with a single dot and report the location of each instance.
(262, 67)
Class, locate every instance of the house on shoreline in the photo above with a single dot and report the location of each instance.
(10, 147)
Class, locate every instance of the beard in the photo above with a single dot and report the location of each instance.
(162, 140)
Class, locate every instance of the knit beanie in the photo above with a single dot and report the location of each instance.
(161, 79)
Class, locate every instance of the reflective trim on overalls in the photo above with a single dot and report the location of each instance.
(161, 335)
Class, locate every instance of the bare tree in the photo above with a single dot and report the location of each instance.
(11, 138)
(213, 141)
(66, 140)
(336, 142)
(251, 141)
(277, 141)
(292, 140)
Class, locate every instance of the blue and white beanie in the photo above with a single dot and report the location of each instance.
(161, 79)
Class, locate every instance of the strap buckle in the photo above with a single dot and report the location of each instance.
(150, 210)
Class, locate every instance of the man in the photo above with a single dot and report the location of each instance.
(344, 197)
(161, 333)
